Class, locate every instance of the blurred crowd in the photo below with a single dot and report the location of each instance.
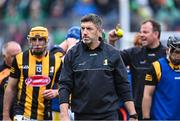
(18, 16)
(166, 12)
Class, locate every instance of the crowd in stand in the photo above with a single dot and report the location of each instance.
(17, 16)
(166, 12)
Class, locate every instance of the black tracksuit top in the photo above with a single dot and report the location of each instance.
(96, 78)
(139, 61)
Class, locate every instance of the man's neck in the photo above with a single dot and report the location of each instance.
(155, 45)
(94, 45)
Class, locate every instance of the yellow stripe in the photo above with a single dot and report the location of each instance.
(148, 77)
(157, 68)
(19, 59)
(45, 72)
(4, 73)
(12, 70)
(29, 89)
(57, 66)
(45, 65)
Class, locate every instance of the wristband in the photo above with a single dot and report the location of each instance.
(135, 116)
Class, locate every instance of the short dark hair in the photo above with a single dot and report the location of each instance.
(156, 26)
(95, 19)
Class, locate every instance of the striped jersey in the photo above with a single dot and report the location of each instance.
(35, 75)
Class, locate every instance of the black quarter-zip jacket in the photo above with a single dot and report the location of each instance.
(139, 61)
(96, 78)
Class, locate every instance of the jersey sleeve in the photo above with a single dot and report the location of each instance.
(15, 71)
(154, 74)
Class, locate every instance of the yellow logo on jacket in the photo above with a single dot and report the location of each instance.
(105, 62)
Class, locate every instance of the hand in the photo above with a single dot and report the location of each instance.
(50, 93)
(113, 37)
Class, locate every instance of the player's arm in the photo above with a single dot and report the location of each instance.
(66, 85)
(64, 112)
(147, 101)
(12, 88)
(9, 95)
(131, 109)
(151, 80)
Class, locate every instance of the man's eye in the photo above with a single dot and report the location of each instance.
(33, 39)
(40, 38)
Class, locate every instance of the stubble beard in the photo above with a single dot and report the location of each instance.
(87, 41)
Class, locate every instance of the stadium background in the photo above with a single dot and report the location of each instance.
(18, 16)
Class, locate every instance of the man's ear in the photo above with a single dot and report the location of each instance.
(100, 32)
(156, 33)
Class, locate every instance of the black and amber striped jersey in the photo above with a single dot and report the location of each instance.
(4, 74)
(35, 75)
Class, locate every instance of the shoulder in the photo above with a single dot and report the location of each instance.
(162, 48)
(157, 69)
(134, 50)
(157, 64)
(74, 52)
(57, 53)
(21, 54)
(76, 48)
(57, 49)
(111, 52)
(110, 48)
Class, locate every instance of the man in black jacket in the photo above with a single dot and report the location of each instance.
(94, 73)
(139, 59)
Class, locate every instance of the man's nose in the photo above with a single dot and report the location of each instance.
(37, 40)
(85, 31)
